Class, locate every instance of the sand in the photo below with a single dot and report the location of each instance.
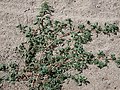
(13, 12)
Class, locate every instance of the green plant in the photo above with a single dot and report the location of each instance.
(100, 64)
(94, 26)
(111, 28)
(113, 57)
(101, 54)
(3, 67)
(118, 62)
(58, 54)
(81, 27)
(80, 79)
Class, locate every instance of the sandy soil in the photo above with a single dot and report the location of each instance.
(13, 12)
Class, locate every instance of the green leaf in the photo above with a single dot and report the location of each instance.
(81, 27)
(113, 57)
(101, 64)
(80, 79)
(3, 67)
(101, 54)
(118, 62)
(94, 26)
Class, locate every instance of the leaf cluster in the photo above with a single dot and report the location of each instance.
(58, 53)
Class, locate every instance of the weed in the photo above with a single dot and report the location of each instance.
(80, 79)
(100, 64)
(110, 28)
(3, 67)
(57, 53)
(113, 57)
(118, 62)
(94, 26)
(101, 54)
(81, 27)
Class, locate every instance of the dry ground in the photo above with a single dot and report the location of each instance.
(13, 12)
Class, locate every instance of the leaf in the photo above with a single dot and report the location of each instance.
(94, 26)
(101, 64)
(118, 62)
(101, 54)
(3, 67)
(81, 27)
(80, 79)
(113, 57)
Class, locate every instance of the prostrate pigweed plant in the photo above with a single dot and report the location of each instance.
(60, 48)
